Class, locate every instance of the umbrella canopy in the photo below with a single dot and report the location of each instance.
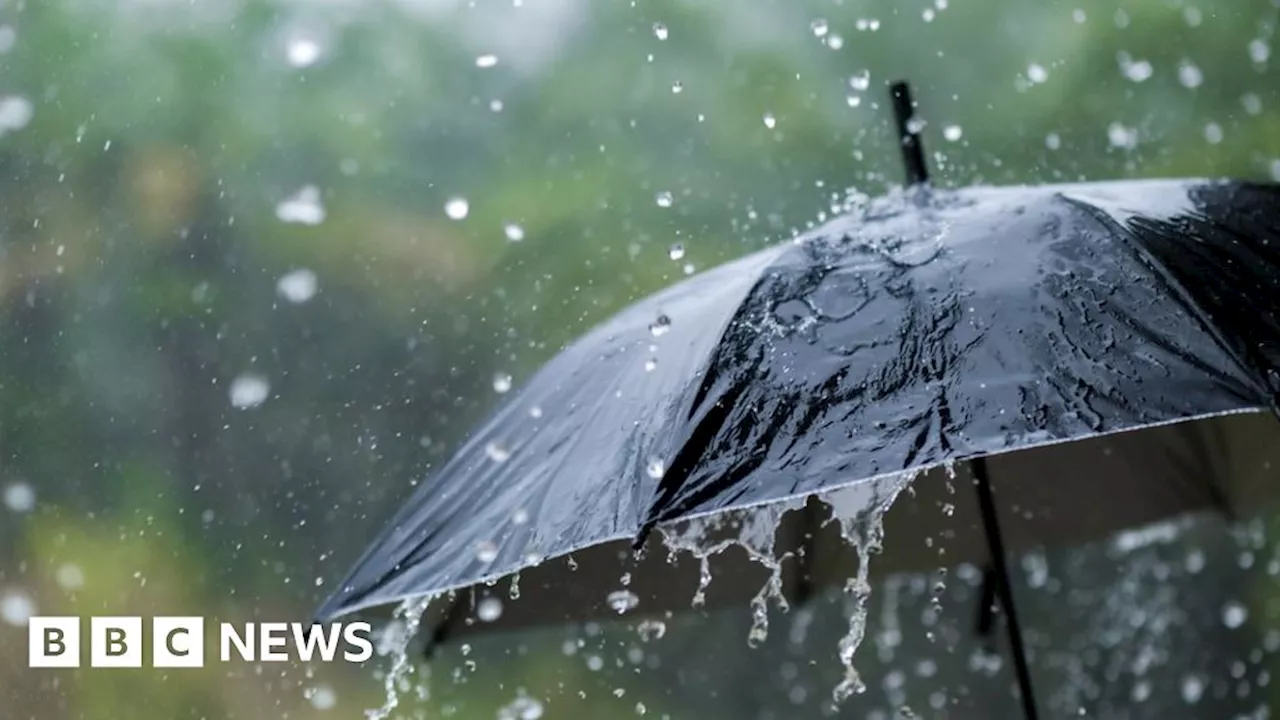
(1069, 333)
(971, 323)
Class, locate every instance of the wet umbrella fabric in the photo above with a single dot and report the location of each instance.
(911, 335)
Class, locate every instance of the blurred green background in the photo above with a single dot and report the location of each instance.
(262, 260)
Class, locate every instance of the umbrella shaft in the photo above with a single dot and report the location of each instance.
(1004, 589)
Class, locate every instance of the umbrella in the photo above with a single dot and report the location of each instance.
(1089, 357)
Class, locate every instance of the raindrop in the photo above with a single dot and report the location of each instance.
(297, 286)
(303, 52)
(952, 132)
(15, 113)
(656, 468)
(535, 412)
(486, 551)
(1234, 614)
(1120, 136)
(860, 81)
(457, 208)
(835, 42)
(16, 608)
(1213, 133)
(1275, 169)
(1192, 16)
(660, 327)
(1190, 75)
(496, 452)
(769, 120)
(1135, 70)
(664, 199)
(819, 27)
(322, 697)
(660, 31)
(8, 36)
(486, 61)
(622, 601)
(650, 630)
(249, 391)
(1259, 51)
(676, 252)
(677, 87)
(69, 577)
(1079, 16)
(514, 232)
(302, 208)
(1036, 73)
(651, 364)
(1252, 103)
(489, 609)
(1052, 141)
(520, 516)
(501, 382)
(20, 497)
(916, 125)
(1192, 689)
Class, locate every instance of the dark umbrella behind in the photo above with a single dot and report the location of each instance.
(927, 329)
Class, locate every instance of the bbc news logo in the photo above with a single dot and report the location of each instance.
(179, 642)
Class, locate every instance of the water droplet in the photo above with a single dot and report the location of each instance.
(297, 286)
(916, 125)
(514, 232)
(1252, 103)
(69, 577)
(1122, 137)
(486, 61)
(660, 327)
(769, 120)
(1079, 16)
(1052, 141)
(1037, 73)
(1190, 75)
(676, 252)
(664, 199)
(677, 87)
(952, 132)
(860, 81)
(660, 31)
(457, 208)
(1259, 51)
(249, 391)
(1135, 70)
(15, 113)
(519, 516)
(1192, 689)
(535, 412)
(16, 607)
(623, 600)
(489, 609)
(1275, 169)
(655, 468)
(650, 630)
(302, 208)
(486, 551)
(322, 697)
(20, 497)
(819, 27)
(496, 452)
(8, 37)
(501, 382)
(835, 42)
(1213, 133)
(1234, 614)
(303, 52)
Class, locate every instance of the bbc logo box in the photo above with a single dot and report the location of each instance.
(115, 642)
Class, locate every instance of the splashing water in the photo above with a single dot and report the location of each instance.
(860, 510)
(409, 613)
(755, 535)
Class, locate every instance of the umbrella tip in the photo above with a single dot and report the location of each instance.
(908, 133)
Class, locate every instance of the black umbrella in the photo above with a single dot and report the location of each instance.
(1000, 336)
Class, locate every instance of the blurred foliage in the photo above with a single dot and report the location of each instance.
(146, 145)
